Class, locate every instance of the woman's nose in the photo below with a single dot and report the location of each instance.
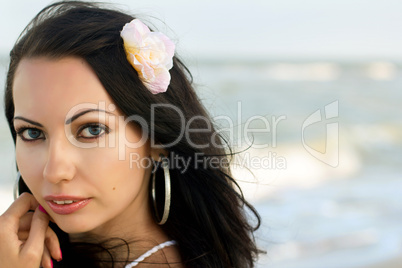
(60, 163)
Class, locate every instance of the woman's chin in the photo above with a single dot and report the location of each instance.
(74, 227)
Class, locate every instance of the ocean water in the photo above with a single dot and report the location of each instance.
(319, 212)
(324, 169)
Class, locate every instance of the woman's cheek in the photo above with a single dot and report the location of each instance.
(30, 165)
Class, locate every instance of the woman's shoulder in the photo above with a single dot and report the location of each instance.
(168, 256)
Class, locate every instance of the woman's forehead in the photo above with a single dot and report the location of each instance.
(52, 86)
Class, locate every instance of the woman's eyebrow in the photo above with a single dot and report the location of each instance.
(70, 120)
(27, 120)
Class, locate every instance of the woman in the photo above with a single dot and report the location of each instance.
(116, 151)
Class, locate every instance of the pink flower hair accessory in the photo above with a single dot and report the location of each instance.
(150, 53)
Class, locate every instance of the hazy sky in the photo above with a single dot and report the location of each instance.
(257, 28)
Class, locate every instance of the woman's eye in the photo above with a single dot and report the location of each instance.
(92, 131)
(30, 134)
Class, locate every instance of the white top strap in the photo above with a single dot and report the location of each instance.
(150, 252)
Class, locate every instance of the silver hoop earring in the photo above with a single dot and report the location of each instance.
(16, 191)
(166, 210)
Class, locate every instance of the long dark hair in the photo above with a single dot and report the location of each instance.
(209, 216)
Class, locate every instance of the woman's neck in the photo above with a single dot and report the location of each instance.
(126, 237)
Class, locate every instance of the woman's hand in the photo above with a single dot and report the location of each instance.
(26, 239)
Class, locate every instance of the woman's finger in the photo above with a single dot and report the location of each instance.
(51, 239)
(25, 226)
(52, 244)
(19, 208)
(46, 259)
(23, 236)
(34, 246)
(25, 222)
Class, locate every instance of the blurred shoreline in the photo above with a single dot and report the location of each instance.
(6, 197)
(393, 263)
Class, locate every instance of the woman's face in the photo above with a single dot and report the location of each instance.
(72, 148)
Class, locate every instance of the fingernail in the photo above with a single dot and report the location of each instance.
(51, 263)
(42, 209)
(61, 256)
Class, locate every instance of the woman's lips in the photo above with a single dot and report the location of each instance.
(64, 205)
